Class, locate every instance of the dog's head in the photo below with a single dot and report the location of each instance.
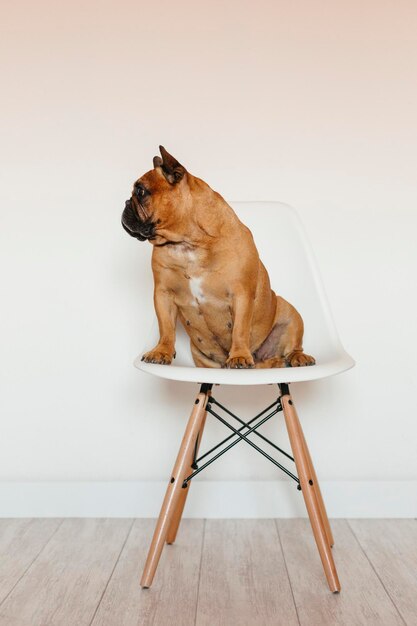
(159, 200)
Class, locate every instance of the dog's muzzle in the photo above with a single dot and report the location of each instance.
(141, 230)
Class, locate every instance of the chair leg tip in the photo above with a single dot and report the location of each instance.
(145, 587)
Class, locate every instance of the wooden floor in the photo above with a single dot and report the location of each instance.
(77, 572)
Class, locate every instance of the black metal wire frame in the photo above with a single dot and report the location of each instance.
(238, 436)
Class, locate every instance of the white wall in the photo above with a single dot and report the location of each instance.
(311, 103)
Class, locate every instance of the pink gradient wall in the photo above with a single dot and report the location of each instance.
(313, 103)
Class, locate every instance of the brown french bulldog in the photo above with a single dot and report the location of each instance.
(208, 273)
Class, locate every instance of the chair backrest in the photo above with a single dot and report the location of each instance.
(288, 258)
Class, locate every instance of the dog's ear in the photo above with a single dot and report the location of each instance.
(171, 168)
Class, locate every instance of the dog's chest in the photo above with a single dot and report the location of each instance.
(196, 284)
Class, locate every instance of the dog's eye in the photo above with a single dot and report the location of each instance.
(139, 191)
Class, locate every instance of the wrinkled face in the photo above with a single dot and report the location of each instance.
(156, 197)
(140, 216)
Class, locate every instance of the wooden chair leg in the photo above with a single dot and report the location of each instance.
(307, 481)
(179, 509)
(174, 489)
(316, 487)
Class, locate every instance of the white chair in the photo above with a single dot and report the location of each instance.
(288, 257)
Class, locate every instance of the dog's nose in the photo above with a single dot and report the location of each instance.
(127, 203)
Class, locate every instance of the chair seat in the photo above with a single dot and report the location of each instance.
(322, 369)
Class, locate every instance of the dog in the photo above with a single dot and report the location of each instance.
(207, 272)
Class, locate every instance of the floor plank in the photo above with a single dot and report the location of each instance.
(65, 583)
(363, 599)
(391, 546)
(173, 595)
(21, 540)
(243, 576)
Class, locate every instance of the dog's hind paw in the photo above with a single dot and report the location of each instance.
(299, 359)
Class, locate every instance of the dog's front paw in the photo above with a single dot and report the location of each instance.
(158, 355)
(240, 362)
